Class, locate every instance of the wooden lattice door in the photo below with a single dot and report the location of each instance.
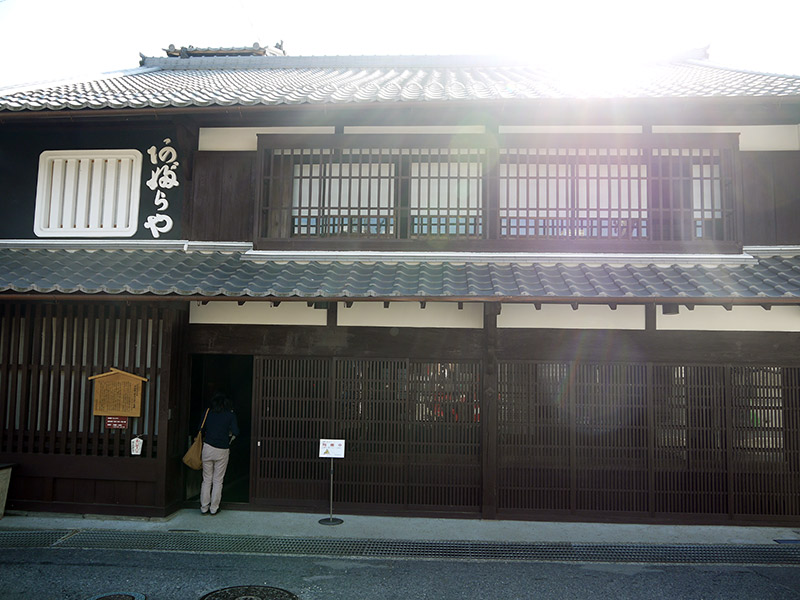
(412, 432)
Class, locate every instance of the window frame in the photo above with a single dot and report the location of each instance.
(654, 214)
(275, 211)
(272, 231)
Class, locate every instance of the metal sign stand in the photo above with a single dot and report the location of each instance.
(330, 520)
(332, 449)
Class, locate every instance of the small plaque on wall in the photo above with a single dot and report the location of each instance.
(116, 422)
(117, 394)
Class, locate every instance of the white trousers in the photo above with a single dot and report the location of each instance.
(215, 462)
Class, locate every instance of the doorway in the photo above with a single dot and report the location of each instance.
(233, 376)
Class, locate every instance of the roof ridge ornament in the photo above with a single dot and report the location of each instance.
(255, 50)
(701, 54)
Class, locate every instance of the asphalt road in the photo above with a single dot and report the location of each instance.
(68, 574)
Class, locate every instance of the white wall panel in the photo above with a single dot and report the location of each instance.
(554, 129)
(741, 318)
(562, 316)
(752, 137)
(407, 129)
(245, 138)
(256, 313)
(411, 314)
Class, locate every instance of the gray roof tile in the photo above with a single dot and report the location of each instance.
(215, 274)
(248, 81)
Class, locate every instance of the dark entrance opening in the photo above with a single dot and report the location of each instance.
(232, 375)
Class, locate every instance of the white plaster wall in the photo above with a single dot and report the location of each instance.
(256, 313)
(411, 314)
(562, 316)
(245, 138)
(525, 316)
(436, 129)
(741, 318)
(570, 129)
(751, 137)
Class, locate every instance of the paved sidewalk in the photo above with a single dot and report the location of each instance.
(306, 525)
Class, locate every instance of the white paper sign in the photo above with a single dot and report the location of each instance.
(136, 446)
(331, 448)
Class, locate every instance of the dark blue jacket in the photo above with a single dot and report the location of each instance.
(219, 427)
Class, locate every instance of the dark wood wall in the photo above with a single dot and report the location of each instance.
(771, 190)
(224, 194)
(21, 146)
(528, 344)
(65, 458)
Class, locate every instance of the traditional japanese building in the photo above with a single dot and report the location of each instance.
(513, 292)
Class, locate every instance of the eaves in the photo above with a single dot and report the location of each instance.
(710, 110)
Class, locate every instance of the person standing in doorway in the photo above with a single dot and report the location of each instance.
(219, 431)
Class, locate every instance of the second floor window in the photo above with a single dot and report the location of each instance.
(401, 192)
(625, 193)
(555, 193)
(335, 198)
(626, 189)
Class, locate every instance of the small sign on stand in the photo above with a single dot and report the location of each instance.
(331, 449)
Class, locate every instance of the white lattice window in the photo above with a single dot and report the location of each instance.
(88, 193)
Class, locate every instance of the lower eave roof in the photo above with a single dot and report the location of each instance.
(191, 274)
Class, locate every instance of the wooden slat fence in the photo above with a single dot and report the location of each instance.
(48, 351)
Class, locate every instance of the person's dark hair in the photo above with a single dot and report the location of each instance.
(220, 403)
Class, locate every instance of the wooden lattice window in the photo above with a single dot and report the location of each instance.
(382, 188)
(573, 192)
(663, 190)
(343, 193)
(445, 196)
(660, 188)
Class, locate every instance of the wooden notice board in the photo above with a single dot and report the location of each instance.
(117, 394)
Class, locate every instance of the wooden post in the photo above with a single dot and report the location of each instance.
(489, 413)
(651, 440)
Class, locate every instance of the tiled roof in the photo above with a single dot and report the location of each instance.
(284, 80)
(226, 274)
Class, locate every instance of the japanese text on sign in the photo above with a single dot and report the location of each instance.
(116, 422)
(117, 394)
(331, 448)
(162, 178)
(118, 399)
